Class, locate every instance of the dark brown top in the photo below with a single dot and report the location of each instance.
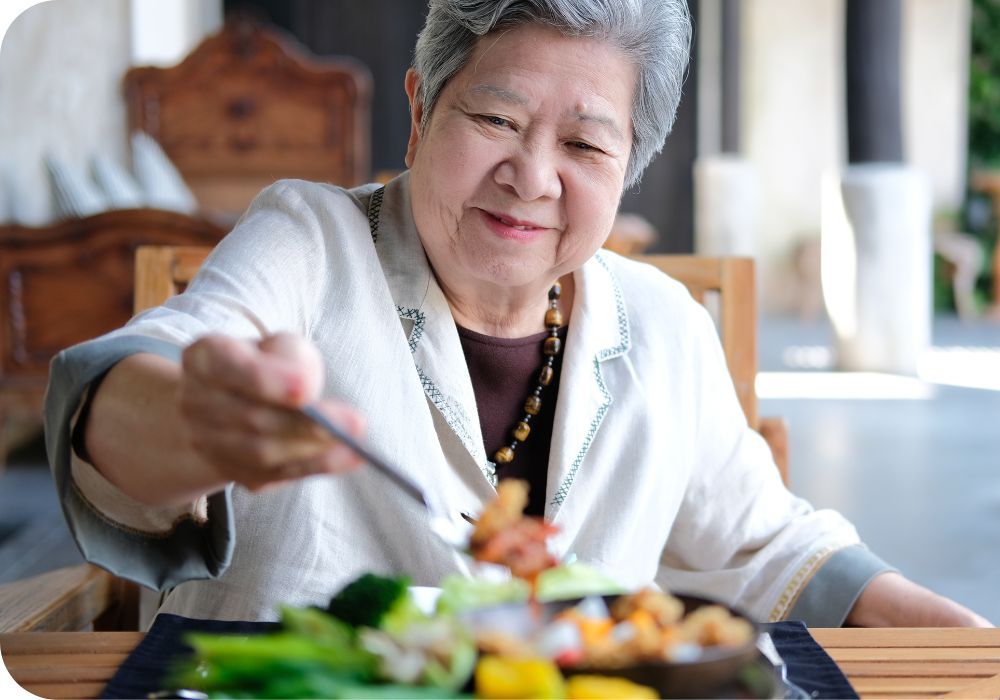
(504, 371)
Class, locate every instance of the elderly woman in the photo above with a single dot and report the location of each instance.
(463, 321)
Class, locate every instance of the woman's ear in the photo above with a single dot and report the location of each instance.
(416, 114)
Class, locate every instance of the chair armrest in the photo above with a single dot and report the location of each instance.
(775, 431)
(72, 598)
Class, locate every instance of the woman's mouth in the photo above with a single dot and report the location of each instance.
(512, 228)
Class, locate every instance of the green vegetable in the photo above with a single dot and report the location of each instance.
(284, 664)
(460, 594)
(576, 580)
(365, 601)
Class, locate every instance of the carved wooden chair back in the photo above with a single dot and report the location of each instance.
(250, 105)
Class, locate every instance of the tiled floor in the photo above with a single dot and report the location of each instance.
(919, 477)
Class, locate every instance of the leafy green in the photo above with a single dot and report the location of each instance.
(403, 613)
(283, 664)
(460, 594)
(364, 602)
(576, 580)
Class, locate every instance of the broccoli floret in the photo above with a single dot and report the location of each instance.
(365, 601)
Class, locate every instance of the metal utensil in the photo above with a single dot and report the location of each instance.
(440, 523)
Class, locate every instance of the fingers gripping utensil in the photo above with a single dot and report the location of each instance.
(440, 523)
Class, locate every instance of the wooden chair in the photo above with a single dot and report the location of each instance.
(163, 271)
(734, 281)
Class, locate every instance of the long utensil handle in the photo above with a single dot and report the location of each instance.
(391, 472)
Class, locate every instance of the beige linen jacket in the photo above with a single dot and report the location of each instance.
(654, 475)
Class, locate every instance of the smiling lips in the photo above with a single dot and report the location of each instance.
(513, 229)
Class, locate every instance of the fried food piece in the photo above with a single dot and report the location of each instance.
(713, 625)
(507, 509)
(505, 536)
(522, 547)
(663, 607)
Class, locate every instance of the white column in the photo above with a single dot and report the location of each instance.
(725, 206)
(876, 265)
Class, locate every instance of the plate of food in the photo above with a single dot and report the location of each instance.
(551, 631)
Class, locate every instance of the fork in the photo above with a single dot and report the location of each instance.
(442, 526)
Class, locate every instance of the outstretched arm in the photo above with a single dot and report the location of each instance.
(892, 600)
(166, 434)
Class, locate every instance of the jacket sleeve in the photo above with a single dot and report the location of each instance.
(191, 549)
(740, 536)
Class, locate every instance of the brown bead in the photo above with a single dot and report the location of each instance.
(533, 405)
(553, 317)
(545, 376)
(504, 455)
(522, 431)
(552, 346)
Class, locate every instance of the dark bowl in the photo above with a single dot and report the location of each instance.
(715, 669)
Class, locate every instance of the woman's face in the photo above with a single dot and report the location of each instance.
(518, 175)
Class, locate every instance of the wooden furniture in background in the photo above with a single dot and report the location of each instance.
(734, 280)
(249, 106)
(66, 283)
(880, 663)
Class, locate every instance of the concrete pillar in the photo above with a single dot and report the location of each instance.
(876, 265)
(725, 206)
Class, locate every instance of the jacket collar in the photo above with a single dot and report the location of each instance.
(599, 331)
(426, 317)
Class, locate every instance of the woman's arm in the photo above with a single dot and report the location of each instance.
(166, 434)
(891, 600)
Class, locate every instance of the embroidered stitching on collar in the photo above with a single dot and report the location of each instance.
(374, 211)
(625, 343)
(453, 414)
(418, 319)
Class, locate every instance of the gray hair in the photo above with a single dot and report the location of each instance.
(655, 34)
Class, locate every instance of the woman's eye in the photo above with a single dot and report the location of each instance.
(584, 146)
(495, 120)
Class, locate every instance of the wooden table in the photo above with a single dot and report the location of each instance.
(879, 662)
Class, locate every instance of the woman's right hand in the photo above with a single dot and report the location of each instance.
(240, 402)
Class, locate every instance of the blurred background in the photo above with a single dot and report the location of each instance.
(851, 147)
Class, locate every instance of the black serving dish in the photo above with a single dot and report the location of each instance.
(717, 669)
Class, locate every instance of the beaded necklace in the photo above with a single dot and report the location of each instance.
(533, 404)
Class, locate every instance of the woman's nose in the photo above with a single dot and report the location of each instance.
(532, 173)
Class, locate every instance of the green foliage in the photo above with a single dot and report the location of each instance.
(984, 145)
(984, 84)
(365, 601)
